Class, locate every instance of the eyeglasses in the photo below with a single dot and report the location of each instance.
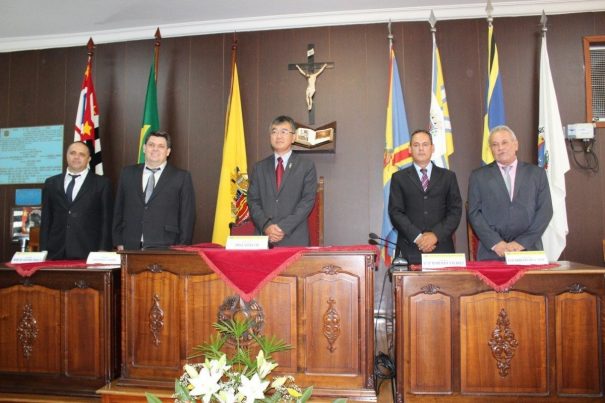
(283, 132)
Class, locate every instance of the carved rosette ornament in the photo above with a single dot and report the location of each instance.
(331, 269)
(156, 319)
(331, 325)
(576, 288)
(235, 308)
(27, 330)
(503, 343)
(430, 289)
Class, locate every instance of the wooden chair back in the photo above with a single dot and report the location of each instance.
(34, 239)
(315, 221)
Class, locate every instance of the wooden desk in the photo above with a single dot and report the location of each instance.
(58, 330)
(322, 305)
(550, 323)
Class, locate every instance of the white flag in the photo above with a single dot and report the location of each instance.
(552, 156)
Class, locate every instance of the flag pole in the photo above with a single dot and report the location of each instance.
(91, 48)
(489, 9)
(543, 27)
(156, 53)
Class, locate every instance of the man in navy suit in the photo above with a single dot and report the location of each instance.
(282, 189)
(509, 200)
(424, 203)
(76, 209)
(155, 202)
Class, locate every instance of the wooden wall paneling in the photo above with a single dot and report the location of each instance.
(207, 103)
(23, 89)
(109, 74)
(5, 64)
(49, 103)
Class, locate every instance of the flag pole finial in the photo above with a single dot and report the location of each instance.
(433, 21)
(390, 35)
(543, 20)
(158, 37)
(91, 47)
(489, 9)
(234, 41)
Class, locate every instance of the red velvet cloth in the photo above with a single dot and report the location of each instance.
(246, 271)
(496, 274)
(27, 269)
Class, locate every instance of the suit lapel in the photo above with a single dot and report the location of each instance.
(413, 177)
(436, 176)
(496, 176)
(161, 183)
(85, 186)
(139, 182)
(292, 161)
(60, 189)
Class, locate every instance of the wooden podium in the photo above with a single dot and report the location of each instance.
(457, 340)
(322, 304)
(58, 330)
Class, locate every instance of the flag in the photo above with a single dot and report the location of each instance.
(151, 118)
(396, 153)
(494, 109)
(440, 125)
(87, 120)
(231, 202)
(552, 156)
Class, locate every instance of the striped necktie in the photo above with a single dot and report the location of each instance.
(424, 180)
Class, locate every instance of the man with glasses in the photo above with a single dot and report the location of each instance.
(282, 189)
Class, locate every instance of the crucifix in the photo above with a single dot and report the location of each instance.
(310, 71)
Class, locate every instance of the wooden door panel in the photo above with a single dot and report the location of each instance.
(577, 324)
(83, 343)
(494, 325)
(431, 341)
(332, 325)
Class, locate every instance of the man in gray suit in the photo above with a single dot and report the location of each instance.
(155, 202)
(282, 189)
(509, 200)
(424, 203)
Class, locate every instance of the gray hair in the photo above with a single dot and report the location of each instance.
(502, 128)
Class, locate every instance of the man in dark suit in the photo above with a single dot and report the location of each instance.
(509, 200)
(76, 209)
(280, 211)
(155, 202)
(424, 203)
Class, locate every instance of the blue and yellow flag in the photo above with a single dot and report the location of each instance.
(396, 151)
(494, 111)
(441, 127)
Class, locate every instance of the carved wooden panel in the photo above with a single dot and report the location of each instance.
(480, 322)
(430, 324)
(56, 330)
(332, 325)
(577, 324)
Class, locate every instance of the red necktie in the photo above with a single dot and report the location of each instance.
(279, 171)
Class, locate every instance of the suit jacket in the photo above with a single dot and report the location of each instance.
(413, 211)
(287, 207)
(495, 218)
(167, 218)
(72, 231)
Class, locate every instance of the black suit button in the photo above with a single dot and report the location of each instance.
(68, 225)
(426, 212)
(426, 197)
(68, 211)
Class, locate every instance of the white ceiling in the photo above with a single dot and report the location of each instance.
(38, 24)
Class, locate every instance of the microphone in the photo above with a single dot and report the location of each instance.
(399, 260)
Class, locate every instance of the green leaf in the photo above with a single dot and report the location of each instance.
(306, 394)
(339, 400)
(151, 398)
(181, 392)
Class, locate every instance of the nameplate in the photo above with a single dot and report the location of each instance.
(103, 258)
(29, 257)
(247, 242)
(433, 261)
(526, 257)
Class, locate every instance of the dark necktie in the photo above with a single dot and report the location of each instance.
(150, 183)
(279, 171)
(69, 192)
(424, 180)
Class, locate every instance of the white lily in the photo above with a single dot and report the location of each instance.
(279, 381)
(264, 366)
(217, 366)
(205, 384)
(253, 388)
(226, 396)
(191, 371)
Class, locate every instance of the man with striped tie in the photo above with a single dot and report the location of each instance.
(424, 204)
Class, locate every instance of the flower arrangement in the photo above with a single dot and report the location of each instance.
(240, 378)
